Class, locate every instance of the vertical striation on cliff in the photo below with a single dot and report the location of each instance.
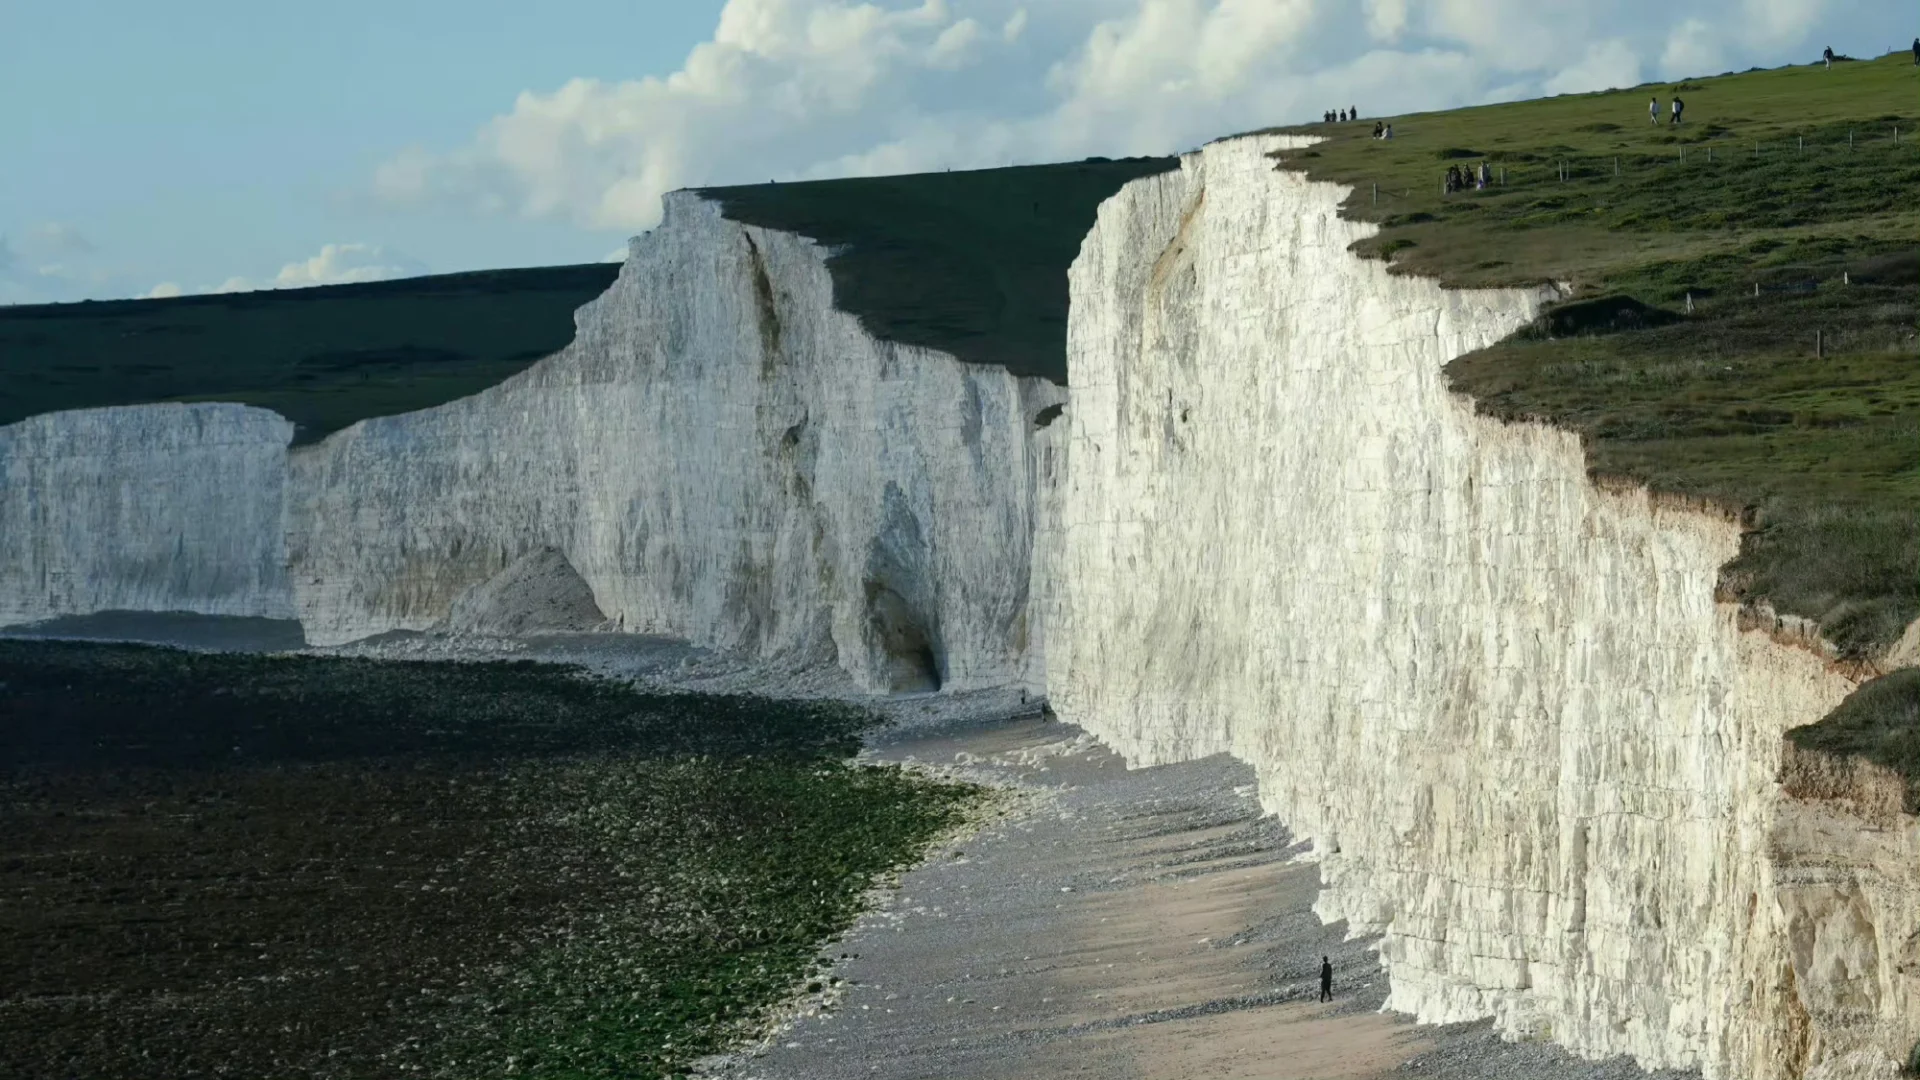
(144, 508)
(720, 455)
(1532, 751)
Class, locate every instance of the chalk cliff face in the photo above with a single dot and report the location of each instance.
(147, 508)
(1531, 750)
(1529, 747)
(719, 455)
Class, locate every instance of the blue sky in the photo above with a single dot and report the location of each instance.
(215, 143)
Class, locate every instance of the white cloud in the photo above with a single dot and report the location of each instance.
(1607, 65)
(1776, 23)
(336, 264)
(1386, 19)
(953, 48)
(51, 263)
(342, 264)
(808, 88)
(1692, 48)
(53, 240)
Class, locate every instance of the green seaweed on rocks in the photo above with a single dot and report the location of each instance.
(339, 867)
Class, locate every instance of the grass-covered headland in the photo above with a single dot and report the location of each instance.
(1742, 324)
(971, 263)
(321, 357)
(295, 866)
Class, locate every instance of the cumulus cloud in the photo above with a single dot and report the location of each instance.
(54, 240)
(342, 264)
(1692, 47)
(809, 88)
(335, 264)
(1386, 19)
(1607, 65)
(50, 262)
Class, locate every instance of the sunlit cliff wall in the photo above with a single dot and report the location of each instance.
(1529, 747)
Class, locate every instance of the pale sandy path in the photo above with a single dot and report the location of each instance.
(1123, 925)
(1127, 924)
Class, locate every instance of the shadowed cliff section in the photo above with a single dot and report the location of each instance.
(323, 357)
(969, 263)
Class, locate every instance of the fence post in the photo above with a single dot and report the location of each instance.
(1376, 194)
(1803, 144)
(1689, 303)
(1709, 155)
(1756, 288)
(1616, 166)
(1846, 277)
(1849, 138)
(1503, 176)
(1819, 347)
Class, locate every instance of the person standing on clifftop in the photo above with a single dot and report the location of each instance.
(1653, 111)
(1326, 979)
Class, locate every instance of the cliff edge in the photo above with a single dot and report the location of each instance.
(1532, 750)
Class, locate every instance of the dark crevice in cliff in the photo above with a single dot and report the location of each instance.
(766, 314)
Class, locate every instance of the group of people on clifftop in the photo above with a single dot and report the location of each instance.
(1459, 179)
(1339, 116)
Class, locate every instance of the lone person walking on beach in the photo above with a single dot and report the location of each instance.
(1326, 979)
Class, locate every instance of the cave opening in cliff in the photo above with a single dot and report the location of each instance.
(909, 653)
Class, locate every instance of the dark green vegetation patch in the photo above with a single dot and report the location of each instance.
(286, 866)
(970, 263)
(321, 357)
(1879, 722)
(1742, 327)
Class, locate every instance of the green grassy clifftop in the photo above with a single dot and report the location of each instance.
(1741, 326)
(322, 357)
(970, 263)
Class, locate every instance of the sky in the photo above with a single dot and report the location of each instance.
(208, 145)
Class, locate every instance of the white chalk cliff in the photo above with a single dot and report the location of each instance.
(144, 508)
(1530, 748)
(719, 455)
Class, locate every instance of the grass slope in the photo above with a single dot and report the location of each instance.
(322, 357)
(220, 864)
(970, 263)
(1880, 722)
(1792, 183)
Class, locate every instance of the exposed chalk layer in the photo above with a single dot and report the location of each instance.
(1531, 750)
